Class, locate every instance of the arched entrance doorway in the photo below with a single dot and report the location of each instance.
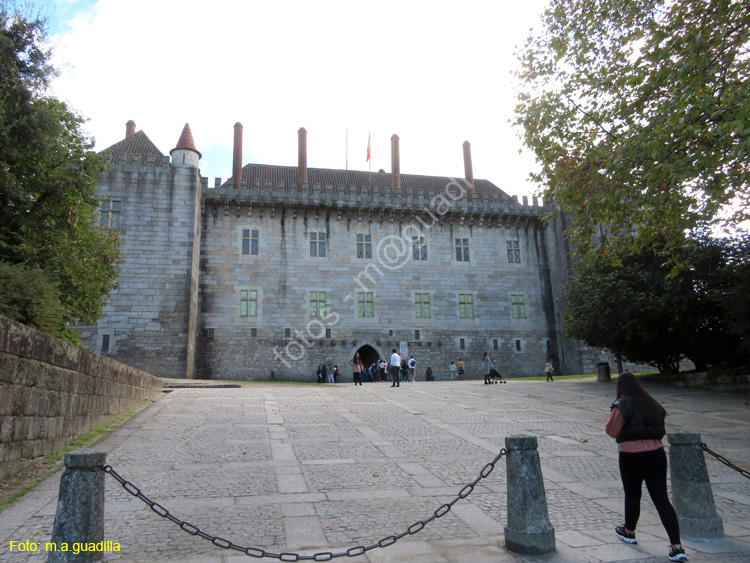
(369, 356)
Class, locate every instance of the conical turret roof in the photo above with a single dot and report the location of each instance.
(186, 141)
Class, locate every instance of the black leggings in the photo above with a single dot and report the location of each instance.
(635, 468)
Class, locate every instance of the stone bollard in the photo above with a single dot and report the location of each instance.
(80, 509)
(529, 529)
(692, 496)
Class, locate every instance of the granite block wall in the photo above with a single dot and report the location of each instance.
(284, 338)
(150, 320)
(52, 392)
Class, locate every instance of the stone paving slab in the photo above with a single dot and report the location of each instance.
(312, 469)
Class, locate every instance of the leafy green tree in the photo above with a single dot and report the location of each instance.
(638, 112)
(644, 311)
(48, 177)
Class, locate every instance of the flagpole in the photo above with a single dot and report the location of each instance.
(346, 190)
(369, 163)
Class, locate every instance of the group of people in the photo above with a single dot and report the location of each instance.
(399, 367)
(328, 374)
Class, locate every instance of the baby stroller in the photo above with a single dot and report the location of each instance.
(495, 376)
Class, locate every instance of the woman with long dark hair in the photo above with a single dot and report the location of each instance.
(636, 421)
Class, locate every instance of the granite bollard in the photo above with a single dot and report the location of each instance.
(79, 520)
(692, 495)
(529, 529)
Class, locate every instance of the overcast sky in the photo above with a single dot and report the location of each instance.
(437, 73)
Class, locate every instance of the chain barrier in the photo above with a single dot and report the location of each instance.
(259, 553)
(725, 461)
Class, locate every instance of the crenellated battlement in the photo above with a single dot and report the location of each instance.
(376, 202)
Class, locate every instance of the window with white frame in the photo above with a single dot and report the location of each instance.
(365, 306)
(364, 246)
(514, 251)
(250, 240)
(109, 214)
(318, 244)
(462, 249)
(317, 303)
(419, 248)
(466, 305)
(422, 305)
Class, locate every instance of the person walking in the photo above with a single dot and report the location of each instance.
(395, 368)
(356, 363)
(452, 370)
(412, 365)
(486, 366)
(636, 422)
(549, 369)
(461, 370)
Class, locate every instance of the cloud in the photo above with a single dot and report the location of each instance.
(435, 73)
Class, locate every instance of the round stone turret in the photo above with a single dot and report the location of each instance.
(184, 155)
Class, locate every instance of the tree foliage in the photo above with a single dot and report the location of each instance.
(48, 176)
(639, 113)
(644, 311)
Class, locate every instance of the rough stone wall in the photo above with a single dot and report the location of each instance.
(283, 273)
(148, 318)
(52, 392)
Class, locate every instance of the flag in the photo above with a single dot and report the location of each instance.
(368, 147)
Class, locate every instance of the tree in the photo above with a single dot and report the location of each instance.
(638, 112)
(48, 176)
(644, 311)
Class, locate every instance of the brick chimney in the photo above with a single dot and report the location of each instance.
(301, 158)
(129, 129)
(395, 163)
(468, 170)
(237, 160)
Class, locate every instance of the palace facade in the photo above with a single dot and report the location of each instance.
(281, 268)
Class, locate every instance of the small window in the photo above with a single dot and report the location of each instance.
(248, 303)
(110, 214)
(462, 344)
(364, 246)
(422, 305)
(317, 303)
(462, 250)
(419, 248)
(328, 333)
(365, 304)
(495, 344)
(518, 306)
(416, 335)
(318, 244)
(514, 251)
(466, 305)
(250, 242)
(518, 345)
(287, 333)
(390, 333)
(105, 343)
(210, 333)
(253, 332)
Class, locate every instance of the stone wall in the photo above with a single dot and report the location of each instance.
(52, 392)
(150, 320)
(285, 338)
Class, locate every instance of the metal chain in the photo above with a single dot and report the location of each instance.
(725, 461)
(324, 556)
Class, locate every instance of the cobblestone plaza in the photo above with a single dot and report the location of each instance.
(310, 469)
